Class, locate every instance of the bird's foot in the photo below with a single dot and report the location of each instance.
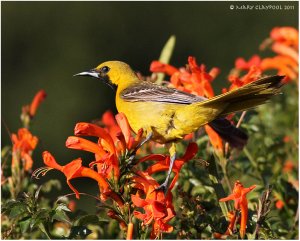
(148, 137)
(133, 153)
(163, 187)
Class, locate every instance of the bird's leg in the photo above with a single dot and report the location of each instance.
(148, 137)
(172, 150)
(133, 153)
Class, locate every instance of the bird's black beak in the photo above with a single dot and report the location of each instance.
(91, 73)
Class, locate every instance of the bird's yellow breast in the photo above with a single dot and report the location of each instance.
(167, 121)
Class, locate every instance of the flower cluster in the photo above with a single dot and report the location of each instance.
(283, 42)
(23, 145)
(238, 195)
(115, 165)
(15, 169)
(24, 142)
(192, 79)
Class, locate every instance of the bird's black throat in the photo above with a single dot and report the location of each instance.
(107, 81)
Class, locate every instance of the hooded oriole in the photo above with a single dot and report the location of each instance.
(168, 114)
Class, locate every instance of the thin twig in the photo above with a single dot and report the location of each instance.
(241, 119)
(237, 126)
(296, 218)
(81, 193)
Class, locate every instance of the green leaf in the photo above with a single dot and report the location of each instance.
(60, 215)
(17, 210)
(42, 228)
(62, 207)
(219, 190)
(5, 151)
(165, 56)
(24, 224)
(36, 194)
(40, 216)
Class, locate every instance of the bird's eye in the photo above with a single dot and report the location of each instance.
(104, 69)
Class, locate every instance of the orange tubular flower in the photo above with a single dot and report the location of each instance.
(284, 43)
(232, 219)
(284, 64)
(23, 145)
(111, 126)
(157, 66)
(242, 64)
(37, 100)
(253, 74)
(214, 139)
(107, 162)
(287, 35)
(120, 131)
(129, 232)
(158, 208)
(107, 153)
(74, 169)
(193, 79)
(30, 110)
(240, 203)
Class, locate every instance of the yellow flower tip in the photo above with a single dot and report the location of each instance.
(242, 233)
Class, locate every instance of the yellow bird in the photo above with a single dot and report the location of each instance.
(167, 114)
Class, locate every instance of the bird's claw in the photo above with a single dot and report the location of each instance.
(163, 187)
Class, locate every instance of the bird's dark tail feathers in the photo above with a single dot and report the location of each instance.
(228, 132)
(247, 96)
(243, 98)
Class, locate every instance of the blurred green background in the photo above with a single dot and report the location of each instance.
(45, 43)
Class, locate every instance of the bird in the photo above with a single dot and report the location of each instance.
(166, 114)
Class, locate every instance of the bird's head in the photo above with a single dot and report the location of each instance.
(113, 73)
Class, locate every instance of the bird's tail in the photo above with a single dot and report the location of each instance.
(247, 96)
(228, 132)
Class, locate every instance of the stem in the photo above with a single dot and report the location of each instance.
(129, 231)
(251, 159)
(223, 163)
(81, 193)
(296, 218)
(213, 176)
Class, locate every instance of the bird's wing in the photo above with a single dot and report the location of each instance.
(148, 92)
